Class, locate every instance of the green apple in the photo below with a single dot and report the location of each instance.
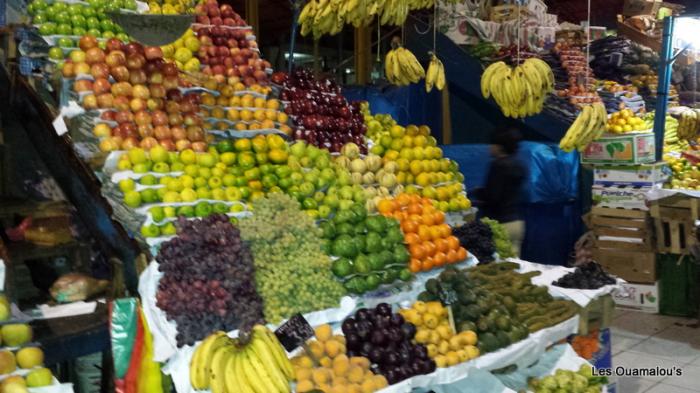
(283, 171)
(307, 188)
(220, 207)
(188, 195)
(126, 185)
(192, 170)
(236, 208)
(228, 158)
(149, 195)
(175, 185)
(200, 182)
(158, 154)
(228, 180)
(161, 167)
(346, 192)
(177, 167)
(331, 201)
(324, 211)
(233, 194)
(157, 213)
(206, 160)
(202, 209)
(218, 194)
(187, 181)
(185, 211)
(345, 204)
(140, 168)
(188, 156)
(214, 182)
(298, 149)
(169, 211)
(132, 198)
(319, 196)
(172, 197)
(64, 29)
(161, 193)
(150, 230)
(203, 193)
(168, 229)
(165, 180)
(48, 28)
(56, 53)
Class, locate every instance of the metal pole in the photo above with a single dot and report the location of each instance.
(665, 71)
(296, 8)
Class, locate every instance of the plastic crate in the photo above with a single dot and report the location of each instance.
(678, 285)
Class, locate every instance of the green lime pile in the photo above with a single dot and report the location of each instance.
(59, 18)
(292, 273)
(370, 249)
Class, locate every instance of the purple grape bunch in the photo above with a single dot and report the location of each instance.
(386, 340)
(208, 279)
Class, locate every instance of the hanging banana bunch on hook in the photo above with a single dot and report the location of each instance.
(435, 76)
(401, 66)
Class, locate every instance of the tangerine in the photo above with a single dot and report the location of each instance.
(415, 265)
(453, 243)
(442, 245)
(440, 258)
(452, 256)
(438, 217)
(424, 232)
(429, 248)
(411, 238)
(386, 206)
(435, 232)
(403, 200)
(417, 251)
(427, 264)
(461, 254)
(409, 226)
(445, 231)
(427, 219)
(415, 209)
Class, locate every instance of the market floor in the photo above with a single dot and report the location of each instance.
(642, 340)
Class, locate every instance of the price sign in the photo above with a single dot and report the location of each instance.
(448, 297)
(294, 333)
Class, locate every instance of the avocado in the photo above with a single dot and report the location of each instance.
(488, 342)
(467, 325)
(503, 339)
(482, 324)
(432, 286)
(472, 312)
(426, 297)
(503, 323)
(466, 296)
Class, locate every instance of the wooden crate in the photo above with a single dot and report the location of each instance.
(674, 221)
(631, 266)
(631, 229)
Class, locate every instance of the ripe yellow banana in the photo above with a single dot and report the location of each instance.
(217, 375)
(402, 67)
(201, 360)
(513, 88)
(435, 76)
(588, 126)
(268, 337)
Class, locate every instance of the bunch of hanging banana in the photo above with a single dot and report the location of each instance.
(688, 124)
(519, 91)
(222, 364)
(588, 126)
(435, 76)
(402, 68)
(329, 16)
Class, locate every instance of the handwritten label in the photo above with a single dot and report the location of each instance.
(294, 333)
(60, 125)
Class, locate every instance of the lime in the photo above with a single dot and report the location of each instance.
(149, 195)
(108, 34)
(40, 19)
(150, 230)
(62, 18)
(132, 198)
(93, 23)
(186, 211)
(342, 267)
(168, 229)
(157, 213)
(220, 207)
(372, 282)
(78, 21)
(405, 275)
(202, 209)
(361, 265)
(79, 31)
(65, 42)
(94, 32)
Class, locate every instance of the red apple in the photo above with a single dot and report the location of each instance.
(87, 42)
(101, 85)
(170, 82)
(122, 89)
(157, 90)
(135, 61)
(199, 146)
(129, 143)
(172, 107)
(148, 143)
(94, 55)
(133, 48)
(120, 73)
(105, 100)
(124, 117)
(182, 144)
(203, 19)
(153, 52)
(137, 104)
(121, 103)
(160, 118)
(141, 91)
(195, 133)
(82, 85)
(162, 132)
(169, 70)
(115, 58)
(145, 130)
(168, 144)
(175, 119)
(90, 102)
(178, 133)
(113, 44)
(155, 78)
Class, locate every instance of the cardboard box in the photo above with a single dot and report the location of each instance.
(632, 266)
(641, 7)
(630, 148)
(646, 175)
(620, 197)
(641, 297)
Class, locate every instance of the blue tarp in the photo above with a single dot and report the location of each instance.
(550, 203)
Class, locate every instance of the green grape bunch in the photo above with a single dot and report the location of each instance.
(292, 273)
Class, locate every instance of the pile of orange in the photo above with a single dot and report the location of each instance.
(429, 239)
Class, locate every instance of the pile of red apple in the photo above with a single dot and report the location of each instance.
(140, 92)
(226, 45)
(323, 117)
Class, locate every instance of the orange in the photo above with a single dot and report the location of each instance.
(413, 198)
(424, 232)
(415, 265)
(417, 251)
(438, 217)
(440, 258)
(411, 238)
(435, 232)
(452, 256)
(445, 231)
(403, 200)
(427, 264)
(401, 216)
(442, 245)
(409, 226)
(241, 126)
(427, 219)
(415, 209)
(415, 217)
(386, 206)
(429, 248)
(453, 243)
(461, 254)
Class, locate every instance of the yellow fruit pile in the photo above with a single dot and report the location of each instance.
(170, 7)
(335, 372)
(247, 112)
(624, 121)
(183, 52)
(444, 346)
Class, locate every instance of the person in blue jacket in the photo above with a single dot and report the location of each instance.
(500, 197)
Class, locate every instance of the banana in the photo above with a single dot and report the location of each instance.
(402, 67)
(440, 82)
(431, 74)
(567, 143)
(201, 360)
(257, 378)
(277, 350)
(217, 374)
(262, 357)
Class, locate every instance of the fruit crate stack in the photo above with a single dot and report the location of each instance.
(623, 229)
